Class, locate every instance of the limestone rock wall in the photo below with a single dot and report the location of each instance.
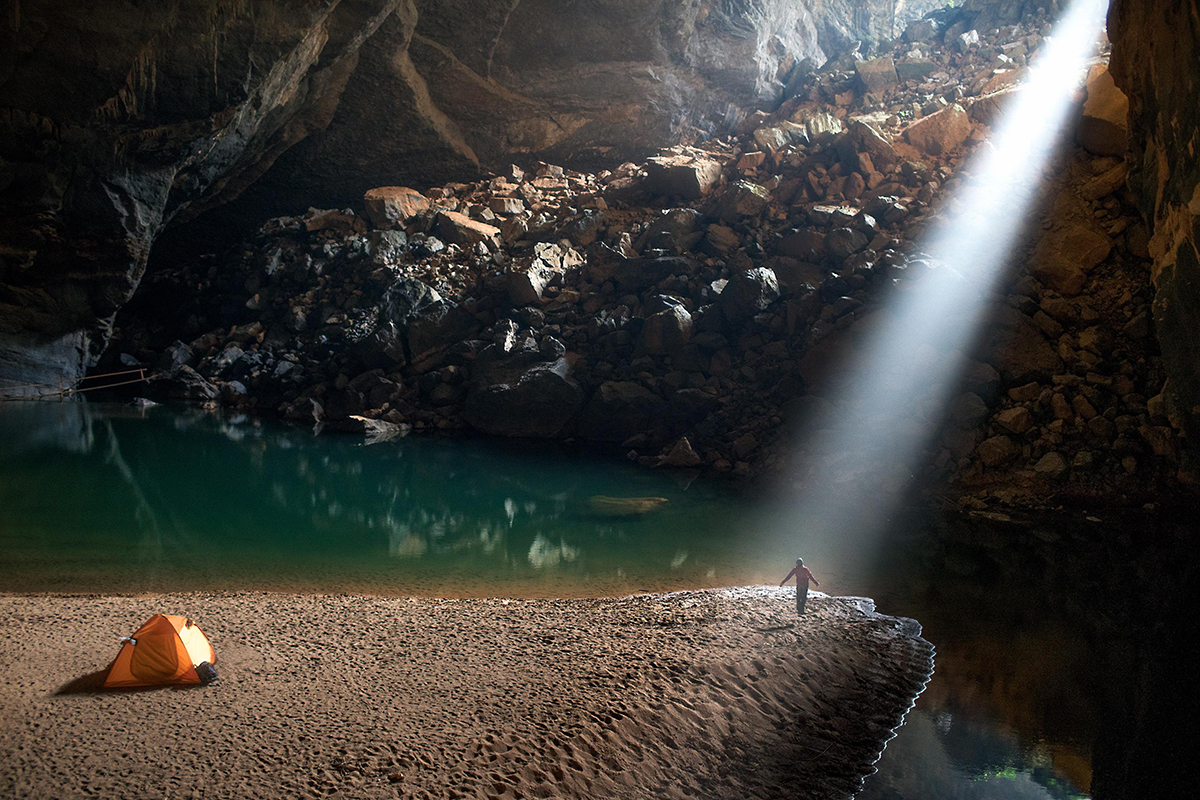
(118, 120)
(114, 118)
(1156, 49)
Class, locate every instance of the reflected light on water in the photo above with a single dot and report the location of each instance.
(892, 401)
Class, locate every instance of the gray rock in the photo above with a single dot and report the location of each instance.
(877, 75)
(619, 410)
(845, 242)
(666, 332)
(680, 455)
(405, 299)
(522, 396)
(749, 293)
(743, 200)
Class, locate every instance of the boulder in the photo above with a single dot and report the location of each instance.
(922, 30)
(404, 299)
(742, 200)
(845, 242)
(822, 126)
(522, 396)
(677, 174)
(383, 348)
(666, 332)
(940, 132)
(877, 75)
(176, 355)
(506, 206)
(689, 406)
(1104, 127)
(619, 410)
(1016, 347)
(915, 70)
(184, 383)
(779, 136)
(436, 330)
(634, 274)
(805, 244)
(394, 206)
(862, 138)
(1052, 465)
(306, 410)
(749, 293)
(997, 450)
(527, 282)
(1067, 253)
(1015, 420)
(460, 229)
(1105, 183)
(680, 455)
(676, 230)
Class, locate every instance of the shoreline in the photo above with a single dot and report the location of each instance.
(710, 693)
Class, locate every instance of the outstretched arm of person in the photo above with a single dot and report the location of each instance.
(789, 577)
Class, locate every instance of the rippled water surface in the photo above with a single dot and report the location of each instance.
(1028, 629)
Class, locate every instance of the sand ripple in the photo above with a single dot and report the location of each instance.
(706, 694)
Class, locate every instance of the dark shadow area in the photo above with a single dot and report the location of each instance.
(93, 683)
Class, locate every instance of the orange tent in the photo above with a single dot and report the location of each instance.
(165, 650)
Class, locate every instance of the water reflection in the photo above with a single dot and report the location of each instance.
(261, 504)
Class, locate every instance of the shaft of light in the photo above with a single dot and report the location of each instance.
(896, 396)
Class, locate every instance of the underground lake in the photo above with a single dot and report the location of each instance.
(1041, 625)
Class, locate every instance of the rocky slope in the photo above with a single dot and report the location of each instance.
(116, 122)
(691, 308)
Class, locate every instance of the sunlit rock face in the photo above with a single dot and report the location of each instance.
(113, 122)
(474, 84)
(1156, 47)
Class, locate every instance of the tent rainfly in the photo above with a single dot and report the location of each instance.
(166, 650)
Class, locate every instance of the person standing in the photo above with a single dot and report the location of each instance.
(803, 576)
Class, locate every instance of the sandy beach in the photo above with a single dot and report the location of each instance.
(705, 694)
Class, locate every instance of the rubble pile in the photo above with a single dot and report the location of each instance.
(694, 310)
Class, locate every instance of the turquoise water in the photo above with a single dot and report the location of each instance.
(185, 500)
(110, 498)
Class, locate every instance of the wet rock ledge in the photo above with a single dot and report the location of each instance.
(710, 694)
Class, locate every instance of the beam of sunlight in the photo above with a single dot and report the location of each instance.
(906, 358)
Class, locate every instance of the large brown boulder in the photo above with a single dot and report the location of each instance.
(1104, 127)
(391, 206)
(1016, 347)
(940, 132)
